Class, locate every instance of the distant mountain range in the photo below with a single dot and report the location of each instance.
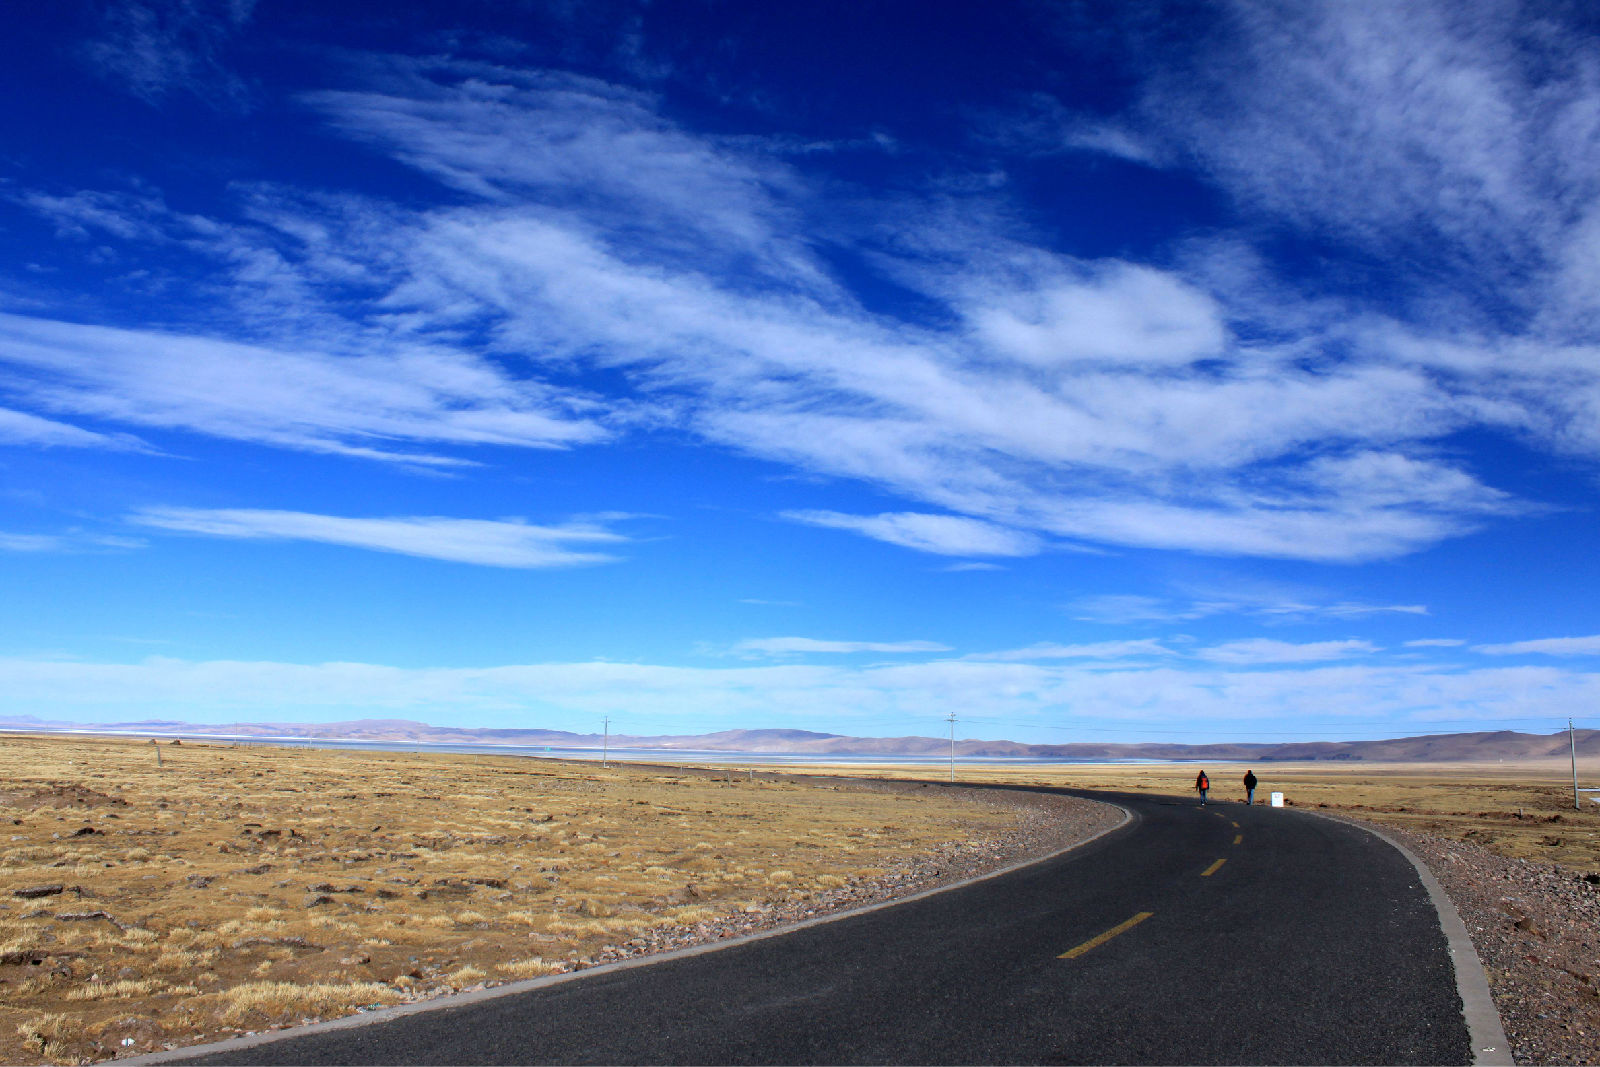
(1497, 745)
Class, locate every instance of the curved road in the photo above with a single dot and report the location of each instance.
(1267, 936)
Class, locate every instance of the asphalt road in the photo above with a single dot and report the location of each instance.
(1310, 942)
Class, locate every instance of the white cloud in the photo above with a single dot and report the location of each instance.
(1265, 650)
(945, 535)
(10, 542)
(784, 646)
(1435, 642)
(1263, 602)
(1347, 610)
(376, 405)
(503, 543)
(70, 541)
(1061, 701)
(1433, 92)
(1126, 313)
(1181, 406)
(1076, 392)
(1092, 650)
(155, 48)
(21, 428)
(1047, 128)
(1547, 646)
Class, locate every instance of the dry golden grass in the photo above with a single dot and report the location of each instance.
(1518, 809)
(254, 886)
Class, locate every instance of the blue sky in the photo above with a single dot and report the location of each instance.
(1094, 372)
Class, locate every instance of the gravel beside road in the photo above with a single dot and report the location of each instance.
(1537, 930)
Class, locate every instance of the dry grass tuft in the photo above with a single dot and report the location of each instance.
(264, 1003)
(468, 975)
(46, 1035)
(531, 968)
(108, 990)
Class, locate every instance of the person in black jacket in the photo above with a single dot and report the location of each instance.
(1201, 784)
(1250, 787)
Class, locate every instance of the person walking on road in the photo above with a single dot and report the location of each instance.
(1201, 784)
(1250, 787)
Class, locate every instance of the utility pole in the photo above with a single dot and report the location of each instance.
(952, 746)
(1572, 744)
(605, 744)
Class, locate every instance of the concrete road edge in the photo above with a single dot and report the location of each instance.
(1489, 1045)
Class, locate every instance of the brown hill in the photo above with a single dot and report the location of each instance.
(1496, 745)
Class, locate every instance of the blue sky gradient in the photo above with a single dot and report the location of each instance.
(1094, 372)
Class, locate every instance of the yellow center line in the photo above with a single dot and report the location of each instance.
(1233, 824)
(1098, 940)
(1237, 838)
(1209, 871)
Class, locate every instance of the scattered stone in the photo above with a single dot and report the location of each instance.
(318, 900)
(86, 831)
(32, 892)
(289, 942)
(260, 868)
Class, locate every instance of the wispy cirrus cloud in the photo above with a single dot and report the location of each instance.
(497, 543)
(21, 428)
(1265, 650)
(155, 48)
(70, 541)
(376, 405)
(1266, 604)
(1545, 646)
(1433, 92)
(1094, 650)
(1073, 391)
(944, 535)
(789, 646)
(1170, 406)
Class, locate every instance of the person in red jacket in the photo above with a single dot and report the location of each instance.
(1201, 784)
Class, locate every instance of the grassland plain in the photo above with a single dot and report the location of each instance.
(239, 888)
(1519, 810)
